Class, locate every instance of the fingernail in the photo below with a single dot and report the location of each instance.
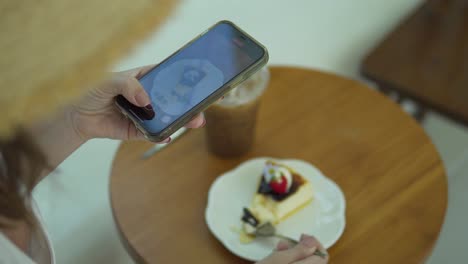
(282, 245)
(149, 107)
(142, 99)
(307, 240)
(148, 112)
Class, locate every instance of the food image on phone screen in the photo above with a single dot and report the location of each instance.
(180, 86)
(189, 76)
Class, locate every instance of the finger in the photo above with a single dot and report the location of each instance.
(282, 245)
(311, 241)
(131, 89)
(165, 141)
(197, 121)
(138, 72)
(298, 252)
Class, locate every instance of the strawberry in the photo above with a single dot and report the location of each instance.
(279, 186)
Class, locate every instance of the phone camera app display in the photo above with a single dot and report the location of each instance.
(191, 76)
(183, 84)
(186, 79)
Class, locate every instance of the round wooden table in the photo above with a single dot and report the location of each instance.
(393, 179)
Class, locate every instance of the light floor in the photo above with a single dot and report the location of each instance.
(330, 35)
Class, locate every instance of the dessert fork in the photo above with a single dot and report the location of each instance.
(157, 147)
(269, 230)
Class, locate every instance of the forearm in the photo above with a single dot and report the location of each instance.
(56, 137)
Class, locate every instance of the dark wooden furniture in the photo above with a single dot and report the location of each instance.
(425, 59)
(393, 179)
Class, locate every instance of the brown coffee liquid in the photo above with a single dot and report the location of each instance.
(230, 130)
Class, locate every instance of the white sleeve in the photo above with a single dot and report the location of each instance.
(10, 254)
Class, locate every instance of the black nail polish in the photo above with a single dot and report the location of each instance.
(145, 113)
(149, 107)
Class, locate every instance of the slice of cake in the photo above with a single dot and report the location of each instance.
(281, 193)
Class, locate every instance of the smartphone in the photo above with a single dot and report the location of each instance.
(193, 78)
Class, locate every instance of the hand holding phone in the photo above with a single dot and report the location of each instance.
(193, 78)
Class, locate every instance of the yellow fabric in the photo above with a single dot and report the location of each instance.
(53, 49)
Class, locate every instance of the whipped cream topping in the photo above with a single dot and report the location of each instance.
(274, 171)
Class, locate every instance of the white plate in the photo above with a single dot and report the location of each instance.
(324, 217)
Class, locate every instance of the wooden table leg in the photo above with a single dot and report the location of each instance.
(391, 93)
(420, 113)
(420, 109)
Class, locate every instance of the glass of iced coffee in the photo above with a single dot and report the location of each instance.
(230, 126)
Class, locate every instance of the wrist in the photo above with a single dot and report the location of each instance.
(74, 125)
(57, 136)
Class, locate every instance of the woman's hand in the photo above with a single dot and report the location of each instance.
(302, 253)
(96, 116)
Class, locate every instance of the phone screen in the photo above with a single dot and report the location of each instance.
(185, 79)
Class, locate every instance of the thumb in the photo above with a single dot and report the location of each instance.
(282, 245)
(130, 88)
(298, 252)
